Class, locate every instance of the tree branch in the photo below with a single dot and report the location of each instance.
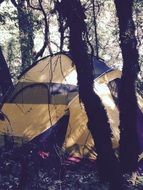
(15, 3)
(46, 34)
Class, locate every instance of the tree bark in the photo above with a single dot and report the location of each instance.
(95, 30)
(6, 84)
(129, 146)
(98, 124)
(25, 33)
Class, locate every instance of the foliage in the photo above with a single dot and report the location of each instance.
(106, 26)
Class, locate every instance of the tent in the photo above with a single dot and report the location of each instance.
(45, 108)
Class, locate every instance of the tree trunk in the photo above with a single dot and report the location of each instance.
(129, 146)
(95, 30)
(98, 124)
(25, 33)
(5, 77)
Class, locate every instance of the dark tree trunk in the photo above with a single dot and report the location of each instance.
(95, 30)
(25, 19)
(5, 77)
(98, 124)
(129, 146)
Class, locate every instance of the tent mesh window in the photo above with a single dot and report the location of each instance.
(114, 88)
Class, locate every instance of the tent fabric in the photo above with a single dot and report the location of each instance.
(100, 68)
(48, 139)
(44, 94)
(55, 93)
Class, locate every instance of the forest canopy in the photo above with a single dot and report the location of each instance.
(34, 24)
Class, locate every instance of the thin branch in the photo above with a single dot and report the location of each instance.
(46, 34)
(15, 3)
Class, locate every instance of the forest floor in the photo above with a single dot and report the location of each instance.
(19, 171)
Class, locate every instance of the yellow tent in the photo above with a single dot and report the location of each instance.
(47, 92)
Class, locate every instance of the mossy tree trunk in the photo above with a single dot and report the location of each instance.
(98, 124)
(129, 146)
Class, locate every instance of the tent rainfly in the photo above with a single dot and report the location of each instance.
(44, 106)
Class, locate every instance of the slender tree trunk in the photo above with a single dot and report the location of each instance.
(25, 19)
(98, 124)
(129, 146)
(5, 78)
(95, 30)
